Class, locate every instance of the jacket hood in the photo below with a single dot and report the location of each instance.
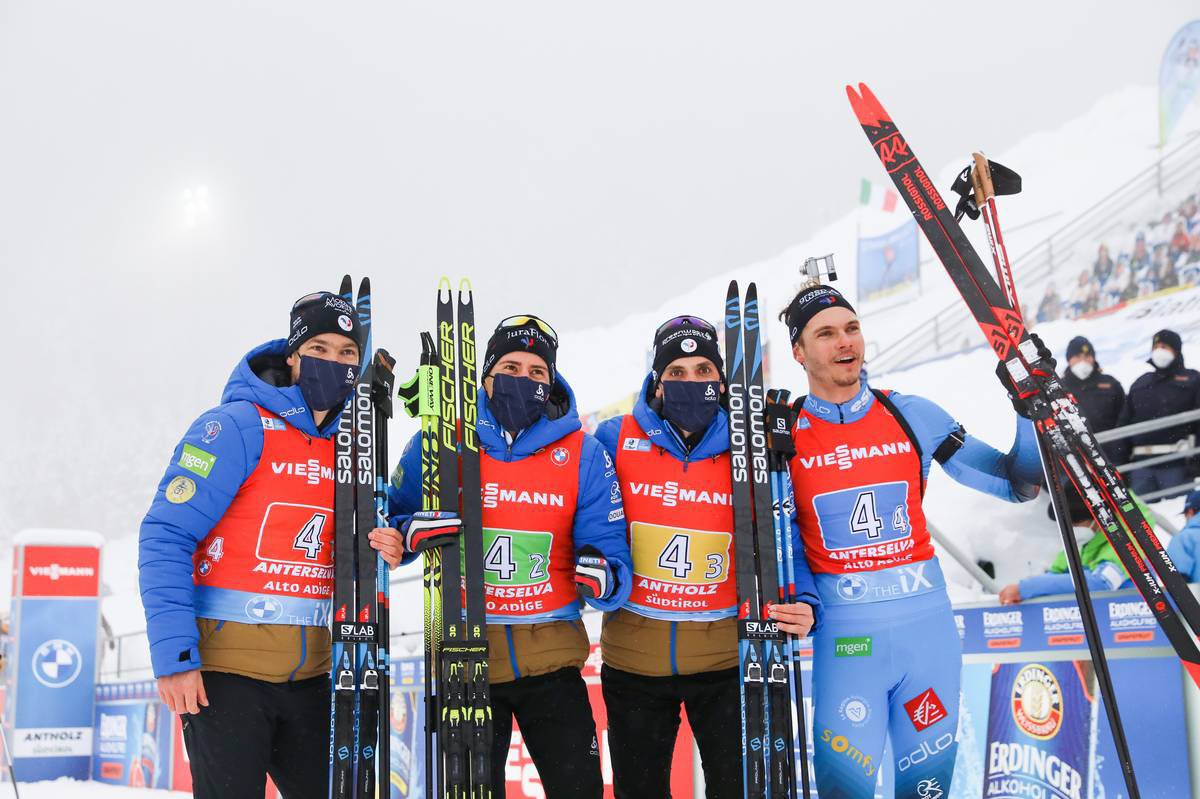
(560, 419)
(263, 377)
(714, 441)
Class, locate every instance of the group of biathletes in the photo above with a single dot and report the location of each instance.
(251, 485)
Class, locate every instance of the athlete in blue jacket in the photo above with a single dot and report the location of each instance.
(1184, 549)
(235, 563)
(554, 529)
(674, 643)
(887, 658)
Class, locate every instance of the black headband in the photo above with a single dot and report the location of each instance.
(808, 303)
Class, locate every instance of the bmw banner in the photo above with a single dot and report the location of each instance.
(52, 662)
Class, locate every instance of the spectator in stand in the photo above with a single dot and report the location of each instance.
(1180, 241)
(1165, 276)
(1103, 266)
(1100, 396)
(1050, 308)
(1085, 298)
(1168, 389)
(1141, 256)
(1117, 284)
(1184, 549)
(1101, 565)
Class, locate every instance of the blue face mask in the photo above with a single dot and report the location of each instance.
(517, 402)
(325, 384)
(691, 405)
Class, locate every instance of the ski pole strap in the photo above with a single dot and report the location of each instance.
(898, 582)
(780, 419)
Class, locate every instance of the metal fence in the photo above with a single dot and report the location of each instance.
(952, 329)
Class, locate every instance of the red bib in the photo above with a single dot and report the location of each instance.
(858, 493)
(680, 522)
(528, 517)
(276, 537)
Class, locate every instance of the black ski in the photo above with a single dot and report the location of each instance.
(355, 713)
(478, 716)
(765, 693)
(1055, 412)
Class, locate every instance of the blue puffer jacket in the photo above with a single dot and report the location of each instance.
(599, 517)
(170, 532)
(715, 441)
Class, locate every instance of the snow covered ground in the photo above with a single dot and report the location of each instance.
(74, 789)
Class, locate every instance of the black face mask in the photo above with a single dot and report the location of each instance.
(691, 405)
(517, 402)
(325, 384)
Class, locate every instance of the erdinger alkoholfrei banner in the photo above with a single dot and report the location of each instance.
(51, 674)
(1178, 78)
(1038, 724)
(133, 730)
(888, 270)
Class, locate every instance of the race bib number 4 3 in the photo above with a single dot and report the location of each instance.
(863, 516)
(671, 554)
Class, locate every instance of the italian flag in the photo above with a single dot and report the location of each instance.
(878, 198)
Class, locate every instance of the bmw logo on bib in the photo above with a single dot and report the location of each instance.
(56, 663)
(852, 587)
(264, 609)
(560, 456)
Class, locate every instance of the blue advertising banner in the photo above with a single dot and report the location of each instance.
(55, 679)
(888, 265)
(1178, 78)
(133, 736)
(1038, 724)
(1124, 620)
(408, 729)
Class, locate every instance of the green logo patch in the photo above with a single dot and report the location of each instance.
(852, 647)
(197, 461)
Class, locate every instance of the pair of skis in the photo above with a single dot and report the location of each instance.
(768, 662)
(359, 751)
(458, 714)
(1067, 443)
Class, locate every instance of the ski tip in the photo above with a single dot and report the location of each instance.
(347, 287)
(733, 289)
(445, 286)
(364, 288)
(464, 286)
(866, 106)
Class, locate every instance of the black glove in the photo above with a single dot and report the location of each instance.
(427, 529)
(593, 576)
(1042, 366)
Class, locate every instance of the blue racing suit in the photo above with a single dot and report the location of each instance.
(887, 657)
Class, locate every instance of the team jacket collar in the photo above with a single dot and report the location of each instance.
(541, 434)
(287, 402)
(841, 413)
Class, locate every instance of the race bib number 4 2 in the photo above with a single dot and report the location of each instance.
(516, 557)
(863, 516)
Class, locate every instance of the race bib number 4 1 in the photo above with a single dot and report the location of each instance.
(863, 516)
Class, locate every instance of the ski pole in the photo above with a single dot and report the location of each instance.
(12, 772)
(1087, 614)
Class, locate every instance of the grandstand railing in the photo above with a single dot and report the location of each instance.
(952, 329)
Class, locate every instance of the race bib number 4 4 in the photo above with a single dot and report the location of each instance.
(863, 516)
